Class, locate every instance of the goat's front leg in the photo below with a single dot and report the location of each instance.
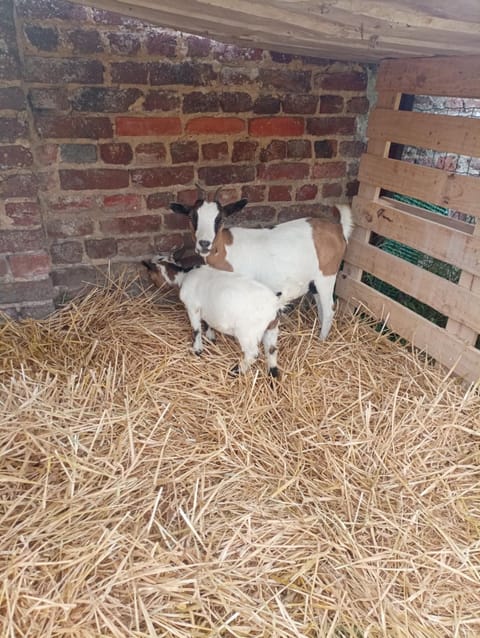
(196, 323)
(250, 352)
(269, 340)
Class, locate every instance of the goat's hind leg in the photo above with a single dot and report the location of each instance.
(250, 352)
(325, 304)
(196, 323)
(269, 340)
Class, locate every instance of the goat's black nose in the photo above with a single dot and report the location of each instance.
(204, 243)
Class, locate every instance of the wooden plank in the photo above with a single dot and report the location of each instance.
(456, 76)
(425, 130)
(444, 296)
(429, 236)
(430, 184)
(445, 348)
(423, 213)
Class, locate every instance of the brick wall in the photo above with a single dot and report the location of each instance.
(107, 120)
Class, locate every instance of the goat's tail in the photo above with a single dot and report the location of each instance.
(346, 219)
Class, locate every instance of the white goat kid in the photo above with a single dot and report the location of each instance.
(295, 257)
(227, 302)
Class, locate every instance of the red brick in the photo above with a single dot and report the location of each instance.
(331, 104)
(100, 16)
(217, 175)
(11, 128)
(286, 80)
(280, 193)
(12, 97)
(22, 185)
(276, 150)
(306, 192)
(344, 81)
(64, 228)
(214, 151)
(143, 126)
(198, 47)
(352, 149)
(72, 203)
(162, 43)
(63, 71)
(37, 309)
(287, 170)
(182, 152)
(42, 38)
(201, 102)
(10, 66)
(215, 125)
(14, 241)
(325, 148)
(23, 213)
(124, 43)
(75, 278)
(236, 102)
(24, 291)
(101, 248)
(161, 200)
(54, 9)
(301, 104)
(281, 58)
(129, 72)
(358, 105)
(49, 99)
(273, 126)
(168, 176)
(187, 73)
(68, 252)
(254, 193)
(153, 153)
(175, 222)
(230, 75)
(267, 105)
(15, 157)
(94, 178)
(329, 169)
(232, 53)
(161, 101)
(332, 190)
(72, 126)
(100, 99)
(84, 41)
(46, 154)
(116, 153)
(331, 125)
(352, 188)
(244, 151)
(299, 149)
(29, 265)
(126, 202)
(136, 246)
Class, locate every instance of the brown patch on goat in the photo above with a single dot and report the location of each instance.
(218, 255)
(329, 244)
(272, 324)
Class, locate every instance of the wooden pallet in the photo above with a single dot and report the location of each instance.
(450, 240)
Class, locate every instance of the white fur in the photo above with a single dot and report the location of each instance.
(283, 258)
(205, 227)
(233, 304)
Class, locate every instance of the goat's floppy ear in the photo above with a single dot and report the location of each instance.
(234, 207)
(180, 208)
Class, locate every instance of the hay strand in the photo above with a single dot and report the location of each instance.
(144, 492)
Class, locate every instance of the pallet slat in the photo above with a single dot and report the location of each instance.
(430, 184)
(444, 296)
(438, 132)
(446, 349)
(428, 235)
(456, 76)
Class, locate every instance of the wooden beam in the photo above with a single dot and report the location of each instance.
(424, 130)
(451, 76)
(430, 184)
(437, 342)
(446, 297)
(430, 236)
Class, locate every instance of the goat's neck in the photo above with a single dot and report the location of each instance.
(218, 255)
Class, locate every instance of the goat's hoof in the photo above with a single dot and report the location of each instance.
(235, 371)
(197, 352)
(274, 372)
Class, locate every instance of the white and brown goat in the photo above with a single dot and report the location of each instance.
(227, 302)
(294, 257)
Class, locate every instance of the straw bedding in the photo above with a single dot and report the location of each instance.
(145, 492)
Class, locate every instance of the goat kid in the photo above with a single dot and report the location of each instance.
(227, 302)
(295, 257)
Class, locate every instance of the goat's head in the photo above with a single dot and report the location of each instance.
(163, 269)
(207, 219)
